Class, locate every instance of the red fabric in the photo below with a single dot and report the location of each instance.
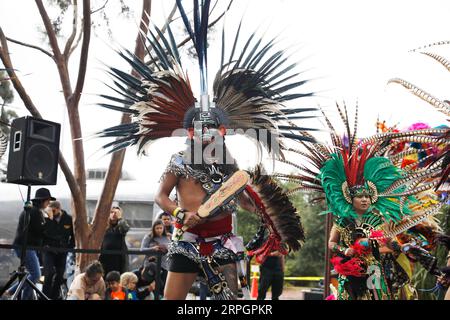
(206, 248)
(379, 236)
(118, 295)
(272, 244)
(350, 268)
(178, 225)
(214, 228)
(360, 249)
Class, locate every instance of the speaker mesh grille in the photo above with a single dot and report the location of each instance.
(40, 162)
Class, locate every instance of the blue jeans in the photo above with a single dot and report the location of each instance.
(33, 267)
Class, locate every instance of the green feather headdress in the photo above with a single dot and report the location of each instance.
(378, 175)
(347, 166)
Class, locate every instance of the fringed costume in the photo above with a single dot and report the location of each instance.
(366, 253)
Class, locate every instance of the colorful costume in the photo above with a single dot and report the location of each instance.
(352, 168)
(249, 91)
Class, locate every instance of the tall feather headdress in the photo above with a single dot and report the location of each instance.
(249, 91)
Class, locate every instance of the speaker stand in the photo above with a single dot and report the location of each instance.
(21, 274)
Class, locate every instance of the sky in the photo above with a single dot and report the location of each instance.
(350, 49)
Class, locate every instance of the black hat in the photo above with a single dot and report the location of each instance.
(43, 194)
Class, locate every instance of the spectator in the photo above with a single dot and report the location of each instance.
(114, 239)
(129, 281)
(34, 234)
(58, 233)
(271, 274)
(114, 290)
(88, 285)
(167, 221)
(146, 282)
(157, 241)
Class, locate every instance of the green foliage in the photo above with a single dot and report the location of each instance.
(6, 116)
(6, 96)
(5, 88)
(310, 260)
(247, 224)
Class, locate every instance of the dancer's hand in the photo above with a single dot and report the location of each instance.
(349, 252)
(191, 219)
(443, 281)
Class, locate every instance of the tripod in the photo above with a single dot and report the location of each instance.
(21, 274)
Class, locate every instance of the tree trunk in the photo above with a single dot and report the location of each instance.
(101, 215)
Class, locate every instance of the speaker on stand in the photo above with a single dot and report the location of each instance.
(33, 160)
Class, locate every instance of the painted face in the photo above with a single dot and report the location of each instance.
(159, 230)
(361, 202)
(205, 134)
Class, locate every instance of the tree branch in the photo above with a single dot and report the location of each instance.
(117, 159)
(49, 28)
(84, 53)
(169, 19)
(101, 8)
(6, 59)
(74, 31)
(30, 46)
(77, 42)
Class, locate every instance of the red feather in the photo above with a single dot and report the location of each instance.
(351, 267)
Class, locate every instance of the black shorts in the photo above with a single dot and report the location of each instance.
(182, 264)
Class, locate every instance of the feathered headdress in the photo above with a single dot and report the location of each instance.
(443, 106)
(249, 90)
(278, 216)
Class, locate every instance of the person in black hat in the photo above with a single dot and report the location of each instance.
(35, 234)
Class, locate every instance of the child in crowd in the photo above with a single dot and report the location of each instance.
(128, 281)
(88, 285)
(114, 290)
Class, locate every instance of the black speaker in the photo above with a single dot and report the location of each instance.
(33, 152)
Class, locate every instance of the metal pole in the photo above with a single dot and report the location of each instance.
(328, 226)
(158, 283)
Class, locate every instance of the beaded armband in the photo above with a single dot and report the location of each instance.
(338, 249)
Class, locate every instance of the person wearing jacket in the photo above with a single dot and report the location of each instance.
(31, 234)
(58, 233)
(114, 239)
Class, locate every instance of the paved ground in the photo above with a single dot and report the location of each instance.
(289, 293)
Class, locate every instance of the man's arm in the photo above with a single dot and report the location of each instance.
(162, 195)
(163, 201)
(333, 243)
